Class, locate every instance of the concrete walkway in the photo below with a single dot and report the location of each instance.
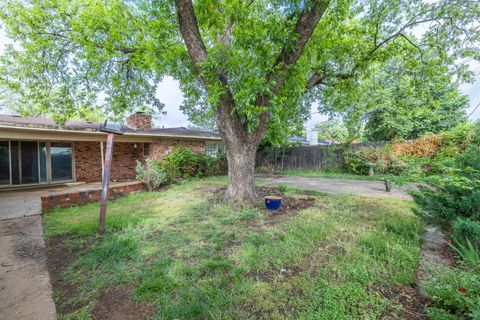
(340, 186)
(19, 204)
(25, 290)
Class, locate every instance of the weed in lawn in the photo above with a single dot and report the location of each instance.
(250, 214)
(80, 314)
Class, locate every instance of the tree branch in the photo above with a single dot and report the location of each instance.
(318, 78)
(306, 24)
(190, 33)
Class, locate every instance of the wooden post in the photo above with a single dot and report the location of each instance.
(106, 182)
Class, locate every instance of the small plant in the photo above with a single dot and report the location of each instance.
(282, 187)
(468, 253)
(250, 214)
(150, 175)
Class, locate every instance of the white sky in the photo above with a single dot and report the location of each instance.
(169, 93)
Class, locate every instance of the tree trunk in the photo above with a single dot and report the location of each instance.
(241, 148)
(241, 173)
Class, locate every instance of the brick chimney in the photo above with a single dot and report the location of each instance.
(140, 121)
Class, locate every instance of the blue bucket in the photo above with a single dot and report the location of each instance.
(273, 202)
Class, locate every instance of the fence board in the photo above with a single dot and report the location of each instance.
(307, 157)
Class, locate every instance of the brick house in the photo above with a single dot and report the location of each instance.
(36, 151)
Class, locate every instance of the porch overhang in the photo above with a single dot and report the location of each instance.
(55, 134)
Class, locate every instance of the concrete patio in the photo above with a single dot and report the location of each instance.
(28, 202)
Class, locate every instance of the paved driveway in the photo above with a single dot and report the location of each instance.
(25, 290)
(340, 186)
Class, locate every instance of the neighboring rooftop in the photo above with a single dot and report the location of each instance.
(75, 125)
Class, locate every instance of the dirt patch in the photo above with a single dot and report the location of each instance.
(58, 260)
(117, 304)
(409, 298)
(282, 274)
(289, 204)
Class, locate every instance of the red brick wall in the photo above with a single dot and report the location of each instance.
(88, 165)
(68, 199)
(125, 157)
(158, 150)
(88, 161)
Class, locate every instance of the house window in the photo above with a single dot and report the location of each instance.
(146, 150)
(61, 161)
(212, 148)
(35, 162)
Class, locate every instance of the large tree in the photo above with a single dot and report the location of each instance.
(404, 99)
(252, 64)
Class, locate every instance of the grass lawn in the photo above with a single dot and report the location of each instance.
(328, 174)
(185, 256)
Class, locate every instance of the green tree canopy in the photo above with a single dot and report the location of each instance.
(333, 131)
(404, 99)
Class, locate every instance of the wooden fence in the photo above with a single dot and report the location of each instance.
(307, 157)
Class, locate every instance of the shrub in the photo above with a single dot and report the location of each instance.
(464, 228)
(456, 194)
(460, 137)
(150, 175)
(381, 160)
(428, 155)
(221, 165)
(476, 132)
(181, 163)
(426, 146)
(449, 198)
(357, 161)
(184, 163)
(469, 159)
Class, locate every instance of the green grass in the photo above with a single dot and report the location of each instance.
(193, 259)
(328, 174)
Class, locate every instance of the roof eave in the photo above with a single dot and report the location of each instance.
(95, 132)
